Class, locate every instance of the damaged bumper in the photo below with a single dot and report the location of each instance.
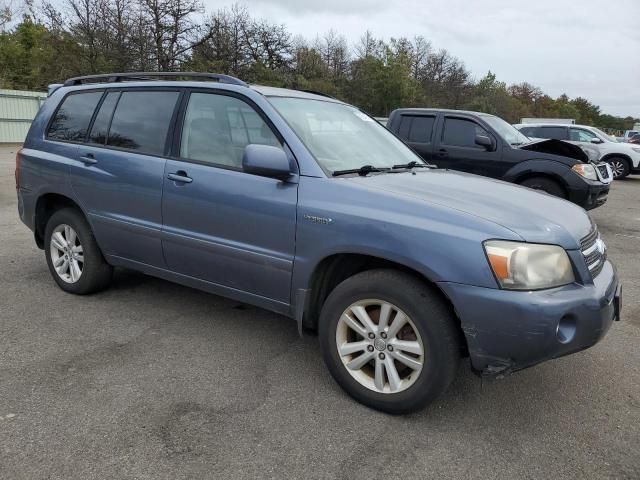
(511, 330)
(588, 194)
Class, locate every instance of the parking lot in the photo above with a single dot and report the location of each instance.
(151, 380)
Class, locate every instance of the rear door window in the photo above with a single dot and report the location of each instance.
(141, 121)
(459, 132)
(71, 120)
(416, 128)
(555, 133)
(421, 129)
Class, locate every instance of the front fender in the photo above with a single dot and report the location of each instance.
(543, 167)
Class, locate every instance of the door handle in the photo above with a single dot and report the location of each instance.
(442, 153)
(88, 159)
(180, 176)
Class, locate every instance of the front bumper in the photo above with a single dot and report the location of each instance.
(589, 194)
(511, 330)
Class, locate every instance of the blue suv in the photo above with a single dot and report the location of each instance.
(303, 205)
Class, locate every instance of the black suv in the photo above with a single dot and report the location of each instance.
(487, 145)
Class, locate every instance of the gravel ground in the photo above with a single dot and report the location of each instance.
(151, 380)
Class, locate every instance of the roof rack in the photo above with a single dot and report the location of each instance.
(147, 76)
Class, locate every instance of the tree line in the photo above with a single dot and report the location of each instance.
(50, 44)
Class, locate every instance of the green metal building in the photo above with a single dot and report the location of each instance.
(17, 111)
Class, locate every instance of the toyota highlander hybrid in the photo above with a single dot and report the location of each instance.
(303, 205)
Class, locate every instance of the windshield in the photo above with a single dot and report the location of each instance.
(341, 137)
(508, 132)
(604, 136)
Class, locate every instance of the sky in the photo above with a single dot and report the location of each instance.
(587, 48)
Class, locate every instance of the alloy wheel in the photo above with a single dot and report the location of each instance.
(67, 255)
(617, 167)
(379, 346)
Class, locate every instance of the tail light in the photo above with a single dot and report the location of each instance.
(18, 159)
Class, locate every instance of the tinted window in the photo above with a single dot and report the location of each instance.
(71, 121)
(405, 125)
(216, 129)
(101, 123)
(462, 133)
(556, 133)
(579, 135)
(421, 128)
(529, 131)
(141, 121)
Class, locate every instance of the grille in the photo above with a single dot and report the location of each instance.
(604, 172)
(594, 252)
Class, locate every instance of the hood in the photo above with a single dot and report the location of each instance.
(556, 147)
(535, 217)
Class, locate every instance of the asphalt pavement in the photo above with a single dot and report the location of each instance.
(151, 380)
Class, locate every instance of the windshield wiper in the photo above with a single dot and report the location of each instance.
(362, 171)
(413, 164)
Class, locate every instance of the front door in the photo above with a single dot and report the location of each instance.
(222, 225)
(457, 149)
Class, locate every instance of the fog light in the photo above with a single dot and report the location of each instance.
(566, 329)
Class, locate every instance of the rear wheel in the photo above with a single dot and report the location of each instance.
(73, 256)
(389, 340)
(546, 185)
(619, 166)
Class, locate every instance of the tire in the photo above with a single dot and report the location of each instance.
(69, 225)
(546, 185)
(432, 325)
(619, 166)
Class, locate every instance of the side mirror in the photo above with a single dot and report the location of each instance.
(596, 140)
(266, 161)
(484, 141)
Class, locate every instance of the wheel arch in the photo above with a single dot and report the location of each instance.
(46, 205)
(549, 176)
(335, 268)
(623, 156)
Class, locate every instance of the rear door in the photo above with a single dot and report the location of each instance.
(222, 225)
(119, 171)
(417, 132)
(456, 148)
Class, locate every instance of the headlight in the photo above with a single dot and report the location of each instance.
(585, 170)
(636, 149)
(528, 266)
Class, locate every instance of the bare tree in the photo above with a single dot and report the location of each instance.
(9, 10)
(174, 29)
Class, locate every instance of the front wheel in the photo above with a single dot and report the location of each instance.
(389, 340)
(546, 185)
(619, 166)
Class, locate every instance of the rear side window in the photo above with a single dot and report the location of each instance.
(141, 121)
(555, 133)
(101, 123)
(72, 118)
(417, 129)
(217, 128)
(421, 128)
(462, 133)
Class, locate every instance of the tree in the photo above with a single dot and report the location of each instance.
(76, 37)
